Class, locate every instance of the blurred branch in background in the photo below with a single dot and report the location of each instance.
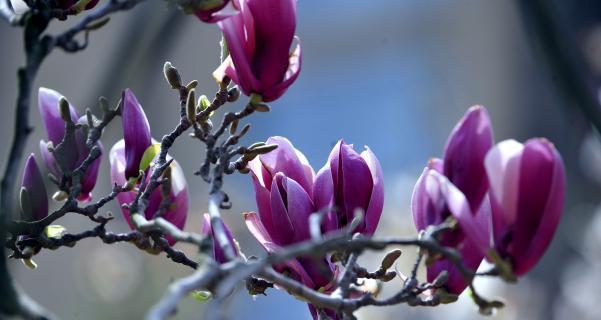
(146, 49)
(565, 62)
(38, 46)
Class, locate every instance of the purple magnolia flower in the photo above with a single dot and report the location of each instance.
(527, 190)
(259, 38)
(34, 201)
(126, 155)
(76, 151)
(282, 181)
(214, 11)
(178, 196)
(434, 200)
(350, 181)
(218, 254)
(456, 187)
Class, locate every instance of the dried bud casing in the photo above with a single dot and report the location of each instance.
(172, 76)
(234, 126)
(63, 107)
(261, 107)
(104, 105)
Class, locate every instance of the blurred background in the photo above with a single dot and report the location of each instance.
(393, 75)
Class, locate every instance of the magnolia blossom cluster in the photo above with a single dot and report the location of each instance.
(507, 198)
(504, 201)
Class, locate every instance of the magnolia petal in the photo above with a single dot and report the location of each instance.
(503, 168)
(263, 199)
(464, 155)
(274, 25)
(33, 182)
(294, 68)
(256, 228)
(49, 110)
(323, 197)
(283, 232)
(376, 202)
(300, 207)
(542, 182)
(136, 132)
(456, 282)
(355, 183)
(234, 33)
(90, 176)
(459, 207)
(207, 229)
(289, 161)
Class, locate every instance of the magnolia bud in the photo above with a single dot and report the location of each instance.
(234, 126)
(172, 76)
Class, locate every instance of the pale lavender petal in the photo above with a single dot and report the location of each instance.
(503, 168)
(256, 228)
(436, 164)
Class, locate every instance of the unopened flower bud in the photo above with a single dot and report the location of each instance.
(172, 76)
(390, 258)
(263, 149)
(203, 102)
(192, 85)
(234, 126)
